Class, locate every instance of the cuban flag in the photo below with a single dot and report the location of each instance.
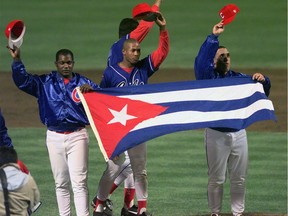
(125, 117)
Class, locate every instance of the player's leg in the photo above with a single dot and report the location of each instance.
(237, 166)
(57, 155)
(106, 181)
(77, 156)
(129, 208)
(137, 156)
(125, 171)
(129, 191)
(126, 175)
(217, 151)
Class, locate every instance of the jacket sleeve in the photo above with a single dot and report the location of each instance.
(23, 80)
(143, 28)
(141, 31)
(203, 65)
(93, 85)
(159, 55)
(267, 86)
(5, 139)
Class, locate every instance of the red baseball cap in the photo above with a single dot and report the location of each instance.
(141, 9)
(228, 13)
(14, 32)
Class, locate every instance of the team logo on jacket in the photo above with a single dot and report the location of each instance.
(75, 96)
(135, 82)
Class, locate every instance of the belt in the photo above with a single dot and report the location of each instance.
(69, 132)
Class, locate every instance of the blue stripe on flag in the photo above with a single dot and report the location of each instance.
(136, 137)
(205, 106)
(232, 103)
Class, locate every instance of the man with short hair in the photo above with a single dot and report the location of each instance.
(62, 112)
(132, 71)
(136, 28)
(226, 148)
(132, 28)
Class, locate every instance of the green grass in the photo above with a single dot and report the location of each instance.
(177, 172)
(256, 39)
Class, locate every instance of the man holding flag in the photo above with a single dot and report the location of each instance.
(226, 148)
(124, 118)
(137, 28)
(131, 72)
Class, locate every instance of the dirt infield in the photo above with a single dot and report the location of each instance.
(21, 110)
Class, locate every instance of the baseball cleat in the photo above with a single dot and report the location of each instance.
(124, 212)
(108, 203)
(93, 202)
(132, 211)
(107, 211)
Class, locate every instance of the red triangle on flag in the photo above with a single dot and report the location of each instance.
(114, 117)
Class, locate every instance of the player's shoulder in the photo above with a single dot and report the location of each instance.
(46, 77)
(145, 62)
(80, 77)
(238, 74)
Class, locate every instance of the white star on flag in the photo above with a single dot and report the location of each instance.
(121, 117)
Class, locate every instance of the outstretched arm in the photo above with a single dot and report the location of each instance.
(141, 31)
(203, 65)
(159, 55)
(144, 26)
(23, 80)
(15, 53)
(218, 29)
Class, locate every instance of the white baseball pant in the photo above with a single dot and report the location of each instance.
(125, 174)
(137, 157)
(226, 151)
(68, 154)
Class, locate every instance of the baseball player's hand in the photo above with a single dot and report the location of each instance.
(218, 29)
(160, 21)
(259, 77)
(86, 88)
(15, 52)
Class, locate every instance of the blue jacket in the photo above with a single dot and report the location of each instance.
(115, 76)
(5, 140)
(204, 68)
(60, 108)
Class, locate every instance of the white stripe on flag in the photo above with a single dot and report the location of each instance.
(187, 117)
(210, 94)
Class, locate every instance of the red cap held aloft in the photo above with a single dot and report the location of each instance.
(14, 32)
(141, 9)
(228, 13)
